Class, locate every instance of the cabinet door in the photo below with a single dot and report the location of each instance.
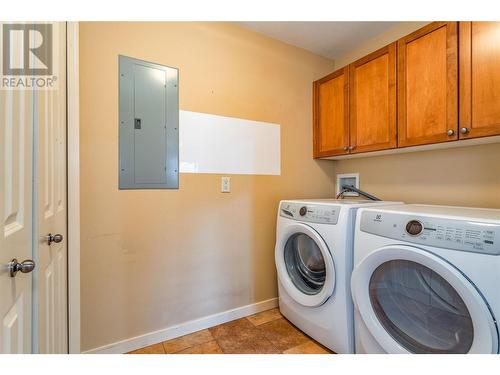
(372, 97)
(427, 85)
(331, 114)
(479, 79)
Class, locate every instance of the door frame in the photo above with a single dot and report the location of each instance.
(73, 193)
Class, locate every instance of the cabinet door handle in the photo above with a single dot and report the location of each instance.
(351, 148)
(464, 130)
(346, 148)
(450, 132)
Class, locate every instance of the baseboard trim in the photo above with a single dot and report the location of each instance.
(133, 343)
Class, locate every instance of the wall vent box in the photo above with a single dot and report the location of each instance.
(149, 125)
(349, 179)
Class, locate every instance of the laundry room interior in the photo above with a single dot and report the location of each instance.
(251, 187)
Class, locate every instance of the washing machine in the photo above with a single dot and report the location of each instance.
(313, 254)
(426, 279)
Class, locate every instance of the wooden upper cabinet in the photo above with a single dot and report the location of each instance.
(331, 114)
(372, 94)
(479, 79)
(427, 85)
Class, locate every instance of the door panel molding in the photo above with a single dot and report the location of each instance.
(51, 291)
(16, 181)
(13, 328)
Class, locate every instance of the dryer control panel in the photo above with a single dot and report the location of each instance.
(463, 235)
(312, 213)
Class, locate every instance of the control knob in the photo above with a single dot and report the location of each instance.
(414, 227)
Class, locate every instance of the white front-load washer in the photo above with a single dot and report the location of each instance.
(426, 279)
(313, 254)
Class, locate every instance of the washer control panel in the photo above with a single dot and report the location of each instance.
(311, 213)
(463, 235)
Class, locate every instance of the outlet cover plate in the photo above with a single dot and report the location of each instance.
(225, 185)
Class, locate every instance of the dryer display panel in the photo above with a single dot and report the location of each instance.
(312, 213)
(463, 235)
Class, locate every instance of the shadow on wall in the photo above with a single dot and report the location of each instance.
(465, 176)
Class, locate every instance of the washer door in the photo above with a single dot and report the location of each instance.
(412, 301)
(304, 265)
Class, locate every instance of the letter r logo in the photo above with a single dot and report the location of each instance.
(27, 49)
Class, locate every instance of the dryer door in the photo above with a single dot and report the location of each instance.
(412, 301)
(304, 265)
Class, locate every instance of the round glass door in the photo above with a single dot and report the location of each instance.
(305, 263)
(420, 309)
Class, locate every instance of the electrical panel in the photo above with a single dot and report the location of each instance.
(149, 125)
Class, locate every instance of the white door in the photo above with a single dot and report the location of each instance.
(51, 288)
(16, 109)
(412, 301)
(304, 265)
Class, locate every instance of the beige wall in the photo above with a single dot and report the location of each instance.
(153, 259)
(465, 176)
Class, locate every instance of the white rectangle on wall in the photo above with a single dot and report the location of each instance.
(218, 144)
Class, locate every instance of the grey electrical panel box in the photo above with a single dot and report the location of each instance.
(149, 125)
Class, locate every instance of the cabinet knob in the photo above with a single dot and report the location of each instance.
(346, 148)
(351, 148)
(450, 132)
(464, 130)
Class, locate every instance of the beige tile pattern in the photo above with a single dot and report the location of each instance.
(239, 327)
(263, 333)
(210, 347)
(265, 317)
(188, 341)
(241, 337)
(282, 334)
(152, 349)
(309, 347)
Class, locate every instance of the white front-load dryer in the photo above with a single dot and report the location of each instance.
(426, 280)
(313, 254)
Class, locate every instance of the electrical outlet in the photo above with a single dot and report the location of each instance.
(349, 179)
(225, 185)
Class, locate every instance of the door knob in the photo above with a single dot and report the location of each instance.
(464, 130)
(450, 132)
(25, 266)
(54, 238)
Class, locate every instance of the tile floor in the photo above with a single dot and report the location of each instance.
(265, 333)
